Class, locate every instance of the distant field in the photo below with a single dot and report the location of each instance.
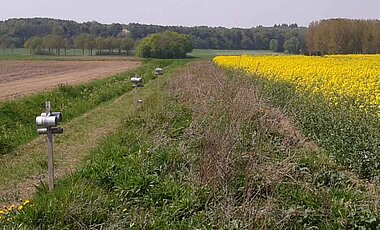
(23, 51)
(74, 54)
(209, 53)
(71, 54)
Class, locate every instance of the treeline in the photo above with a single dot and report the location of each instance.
(15, 32)
(53, 44)
(50, 36)
(334, 36)
(258, 38)
(344, 36)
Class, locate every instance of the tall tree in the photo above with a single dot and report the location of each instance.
(127, 44)
(292, 45)
(101, 43)
(90, 44)
(165, 45)
(343, 36)
(80, 42)
(66, 44)
(34, 44)
(273, 44)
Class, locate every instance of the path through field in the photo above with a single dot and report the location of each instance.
(19, 78)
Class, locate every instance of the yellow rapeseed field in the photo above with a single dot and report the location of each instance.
(336, 77)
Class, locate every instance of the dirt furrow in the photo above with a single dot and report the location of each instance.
(24, 77)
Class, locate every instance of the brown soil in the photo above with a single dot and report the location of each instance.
(19, 78)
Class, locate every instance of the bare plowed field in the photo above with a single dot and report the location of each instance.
(19, 78)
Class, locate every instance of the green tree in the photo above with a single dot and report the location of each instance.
(52, 42)
(165, 45)
(292, 45)
(273, 44)
(5, 42)
(116, 44)
(110, 44)
(28, 45)
(66, 45)
(127, 44)
(144, 48)
(90, 44)
(58, 43)
(80, 42)
(34, 44)
(101, 44)
(57, 30)
(48, 43)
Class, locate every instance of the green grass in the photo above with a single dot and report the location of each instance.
(204, 158)
(19, 52)
(16, 52)
(71, 54)
(210, 53)
(76, 54)
(17, 117)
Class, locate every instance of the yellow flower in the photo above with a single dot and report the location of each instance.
(26, 202)
(11, 208)
(20, 207)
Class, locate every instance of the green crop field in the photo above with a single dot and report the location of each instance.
(210, 53)
(71, 54)
(24, 54)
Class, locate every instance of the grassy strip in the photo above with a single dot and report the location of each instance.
(211, 53)
(16, 117)
(71, 54)
(17, 57)
(208, 155)
(81, 135)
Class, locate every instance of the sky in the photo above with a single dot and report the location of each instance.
(232, 13)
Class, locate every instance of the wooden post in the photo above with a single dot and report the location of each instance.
(50, 149)
(135, 97)
(158, 83)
